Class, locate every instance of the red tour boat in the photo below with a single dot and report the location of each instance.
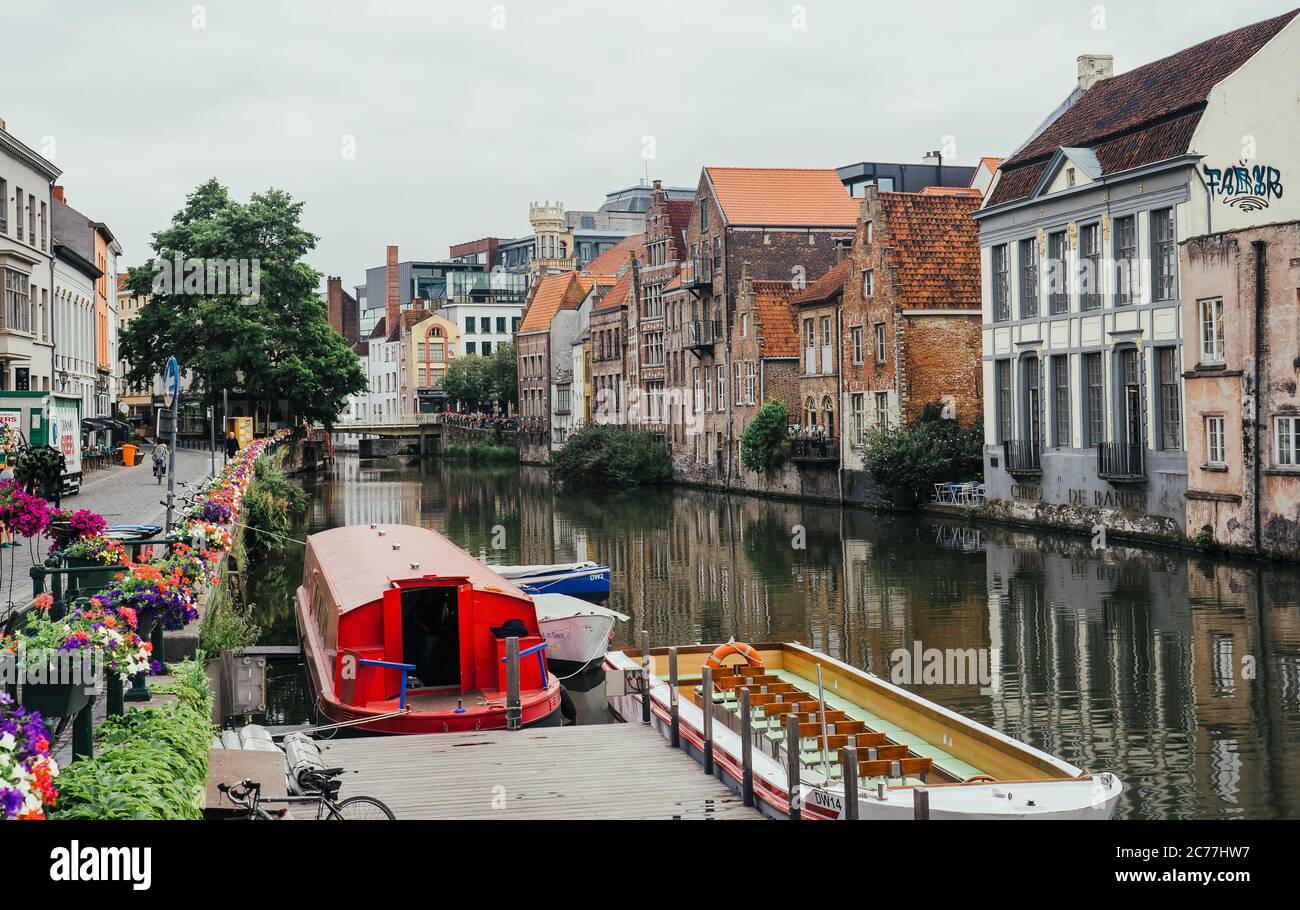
(399, 624)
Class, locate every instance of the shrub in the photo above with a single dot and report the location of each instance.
(763, 444)
(612, 455)
(933, 449)
(270, 503)
(150, 763)
(479, 451)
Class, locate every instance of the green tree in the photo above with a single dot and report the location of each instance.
(504, 377)
(468, 379)
(933, 449)
(761, 446)
(269, 337)
(612, 455)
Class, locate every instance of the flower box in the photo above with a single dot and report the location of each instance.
(55, 699)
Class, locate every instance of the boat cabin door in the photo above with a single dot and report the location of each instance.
(431, 634)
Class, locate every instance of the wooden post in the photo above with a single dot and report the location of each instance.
(793, 755)
(645, 676)
(707, 684)
(676, 739)
(850, 778)
(920, 803)
(746, 750)
(514, 706)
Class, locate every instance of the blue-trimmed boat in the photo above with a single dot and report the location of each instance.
(587, 580)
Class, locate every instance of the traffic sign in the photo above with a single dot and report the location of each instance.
(171, 381)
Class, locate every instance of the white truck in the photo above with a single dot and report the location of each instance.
(44, 419)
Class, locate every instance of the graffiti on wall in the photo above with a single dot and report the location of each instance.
(1249, 189)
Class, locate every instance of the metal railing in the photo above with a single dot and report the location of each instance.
(697, 272)
(1022, 456)
(814, 448)
(704, 333)
(1120, 460)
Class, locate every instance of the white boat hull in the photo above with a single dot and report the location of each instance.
(577, 639)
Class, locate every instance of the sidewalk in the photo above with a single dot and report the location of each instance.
(122, 495)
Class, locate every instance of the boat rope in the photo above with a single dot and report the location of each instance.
(340, 725)
(580, 669)
(270, 533)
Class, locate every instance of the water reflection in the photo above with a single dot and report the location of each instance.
(1180, 673)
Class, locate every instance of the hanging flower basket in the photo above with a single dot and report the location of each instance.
(55, 699)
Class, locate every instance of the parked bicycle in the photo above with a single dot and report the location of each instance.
(247, 795)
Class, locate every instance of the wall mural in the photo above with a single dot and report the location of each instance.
(1247, 188)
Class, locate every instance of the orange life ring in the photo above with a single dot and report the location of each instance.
(714, 660)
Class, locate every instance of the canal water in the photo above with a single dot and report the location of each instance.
(1179, 672)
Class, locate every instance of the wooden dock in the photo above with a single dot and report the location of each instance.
(602, 771)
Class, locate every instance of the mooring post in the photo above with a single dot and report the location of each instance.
(793, 755)
(850, 777)
(746, 750)
(645, 676)
(706, 683)
(83, 733)
(113, 692)
(920, 804)
(514, 707)
(672, 698)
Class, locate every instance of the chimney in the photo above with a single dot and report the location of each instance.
(334, 302)
(1093, 68)
(58, 193)
(393, 299)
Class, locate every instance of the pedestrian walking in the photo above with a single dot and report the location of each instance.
(232, 444)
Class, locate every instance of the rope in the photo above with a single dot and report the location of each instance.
(346, 723)
(270, 533)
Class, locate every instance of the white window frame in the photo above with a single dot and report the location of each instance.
(1216, 440)
(1286, 429)
(1211, 341)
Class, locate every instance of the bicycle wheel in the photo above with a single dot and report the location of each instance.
(362, 808)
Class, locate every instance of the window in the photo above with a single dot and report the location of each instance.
(514, 323)
(810, 413)
(704, 214)
(501, 325)
(1096, 414)
(1001, 286)
(471, 347)
(828, 357)
(1061, 399)
(882, 409)
(751, 382)
(1214, 435)
(469, 325)
(487, 348)
(1058, 288)
(1090, 267)
(1126, 261)
(809, 348)
(1004, 400)
(1171, 411)
(870, 233)
(828, 416)
(18, 210)
(855, 334)
(721, 376)
(708, 391)
(4, 206)
(857, 415)
(869, 283)
(18, 310)
(880, 342)
(1286, 438)
(653, 349)
(1164, 256)
(485, 325)
(1211, 330)
(1029, 278)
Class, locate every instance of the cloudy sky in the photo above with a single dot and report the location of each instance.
(429, 123)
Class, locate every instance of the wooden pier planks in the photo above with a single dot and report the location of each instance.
(603, 771)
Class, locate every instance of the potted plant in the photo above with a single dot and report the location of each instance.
(27, 770)
(93, 551)
(66, 526)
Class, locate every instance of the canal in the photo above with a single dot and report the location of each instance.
(1179, 672)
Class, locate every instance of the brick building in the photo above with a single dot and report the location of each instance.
(911, 325)
(608, 333)
(775, 223)
(343, 310)
(815, 449)
(545, 354)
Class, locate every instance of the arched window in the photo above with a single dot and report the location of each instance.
(828, 410)
(810, 411)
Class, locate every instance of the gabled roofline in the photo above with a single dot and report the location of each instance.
(1169, 164)
(1084, 158)
(28, 156)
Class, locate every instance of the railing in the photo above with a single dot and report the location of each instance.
(345, 426)
(1022, 456)
(815, 448)
(1120, 461)
(390, 665)
(697, 272)
(704, 333)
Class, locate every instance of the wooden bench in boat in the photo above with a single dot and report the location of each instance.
(919, 768)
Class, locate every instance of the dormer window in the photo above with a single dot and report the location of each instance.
(1069, 176)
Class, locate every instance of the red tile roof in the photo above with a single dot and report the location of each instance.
(934, 249)
(380, 330)
(1143, 116)
(776, 318)
(951, 191)
(614, 259)
(407, 319)
(553, 293)
(617, 295)
(826, 287)
(679, 216)
(782, 197)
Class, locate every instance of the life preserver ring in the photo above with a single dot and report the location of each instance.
(714, 660)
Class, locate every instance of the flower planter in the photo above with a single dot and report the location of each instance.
(55, 699)
(62, 533)
(84, 580)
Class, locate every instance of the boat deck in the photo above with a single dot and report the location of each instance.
(602, 771)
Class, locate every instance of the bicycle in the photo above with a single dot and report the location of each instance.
(159, 470)
(247, 794)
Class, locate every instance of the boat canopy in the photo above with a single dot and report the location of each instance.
(558, 606)
(525, 572)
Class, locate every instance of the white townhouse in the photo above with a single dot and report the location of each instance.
(1083, 348)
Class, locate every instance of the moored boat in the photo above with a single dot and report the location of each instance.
(576, 631)
(587, 580)
(905, 744)
(404, 632)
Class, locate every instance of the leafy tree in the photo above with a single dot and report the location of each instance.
(503, 373)
(762, 444)
(272, 344)
(612, 455)
(933, 449)
(468, 379)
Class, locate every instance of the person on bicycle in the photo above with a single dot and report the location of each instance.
(159, 461)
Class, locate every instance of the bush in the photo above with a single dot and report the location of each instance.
(932, 450)
(480, 451)
(613, 455)
(271, 501)
(763, 444)
(227, 627)
(151, 763)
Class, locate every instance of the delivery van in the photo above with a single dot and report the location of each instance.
(44, 419)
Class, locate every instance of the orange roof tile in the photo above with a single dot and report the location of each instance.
(934, 248)
(783, 197)
(991, 162)
(827, 286)
(951, 191)
(612, 261)
(553, 293)
(675, 283)
(617, 295)
(776, 318)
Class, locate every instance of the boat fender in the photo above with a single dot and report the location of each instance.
(302, 754)
(257, 738)
(567, 709)
(721, 652)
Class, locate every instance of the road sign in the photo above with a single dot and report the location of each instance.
(171, 381)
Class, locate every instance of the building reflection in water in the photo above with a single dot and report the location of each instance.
(1179, 672)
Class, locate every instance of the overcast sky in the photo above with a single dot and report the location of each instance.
(463, 112)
